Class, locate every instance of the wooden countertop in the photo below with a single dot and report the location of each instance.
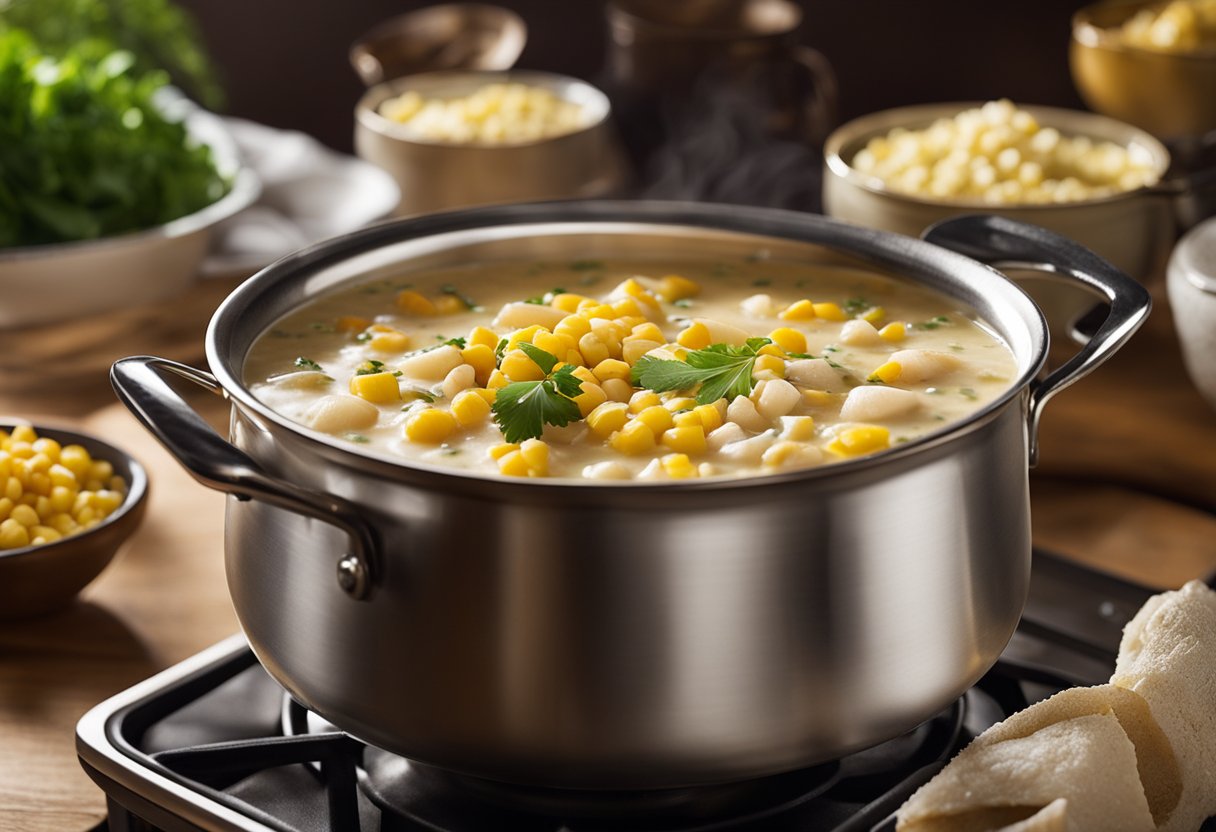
(1127, 483)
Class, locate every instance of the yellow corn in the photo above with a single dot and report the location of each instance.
(24, 433)
(481, 358)
(636, 437)
(391, 341)
(817, 398)
(874, 315)
(859, 440)
(593, 349)
(13, 535)
(469, 408)
(592, 397)
(497, 380)
(377, 388)
(449, 305)
(679, 403)
(523, 335)
(536, 454)
(611, 368)
(695, 337)
(657, 417)
(678, 466)
(480, 335)
(686, 419)
(499, 451)
(595, 309)
(771, 349)
(647, 332)
(711, 416)
(685, 440)
(607, 419)
(643, 399)
(430, 427)
(887, 373)
(575, 326)
(76, 459)
(556, 345)
(799, 428)
(514, 465)
(518, 367)
(801, 310)
(895, 331)
(412, 303)
(829, 312)
(567, 302)
(627, 307)
(673, 287)
(632, 349)
(779, 453)
(771, 364)
(790, 340)
(617, 390)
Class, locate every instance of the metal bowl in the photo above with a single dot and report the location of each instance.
(1133, 230)
(1170, 94)
(437, 176)
(35, 580)
(43, 284)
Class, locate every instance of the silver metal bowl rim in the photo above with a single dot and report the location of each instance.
(646, 214)
(915, 115)
(137, 487)
(367, 111)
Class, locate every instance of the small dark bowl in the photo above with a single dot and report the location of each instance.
(40, 579)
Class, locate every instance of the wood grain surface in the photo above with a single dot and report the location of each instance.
(1127, 483)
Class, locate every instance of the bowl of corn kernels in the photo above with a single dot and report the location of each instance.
(68, 501)
(1091, 178)
(458, 138)
(1151, 63)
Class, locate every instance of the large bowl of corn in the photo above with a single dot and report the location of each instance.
(1085, 176)
(68, 502)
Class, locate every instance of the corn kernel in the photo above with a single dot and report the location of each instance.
(13, 489)
(101, 470)
(711, 415)
(695, 337)
(607, 418)
(43, 507)
(895, 331)
(790, 340)
(685, 440)
(23, 433)
(430, 427)
(686, 419)
(524, 335)
(617, 390)
(593, 349)
(481, 358)
(76, 459)
(13, 535)
(413, 303)
(48, 448)
(673, 287)
(678, 466)
(632, 349)
(679, 403)
(44, 534)
(61, 498)
(592, 397)
(780, 453)
(797, 428)
(25, 515)
(449, 305)
(874, 315)
(611, 368)
(657, 417)
(481, 336)
(536, 454)
(497, 380)
(518, 367)
(392, 341)
(647, 332)
(859, 440)
(499, 451)
(64, 524)
(817, 398)
(469, 408)
(770, 364)
(627, 307)
(567, 302)
(575, 326)
(40, 483)
(596, 310)
(829, 312)
(351, 323)
(887, 373)
(377, 388)
(636, 437)
(801, 310)
(514, 465)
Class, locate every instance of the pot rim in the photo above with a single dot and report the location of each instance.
(882, 248)
(916, 115)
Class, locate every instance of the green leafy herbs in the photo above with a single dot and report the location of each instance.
(86, 150)
(682, 303)
(721, 370)
(357, 438)
(523, 408)
(159, 34)
(546, 298)
(855, 305)
(469, 303)
(308, 364)
(936, 322)
(371, 367)
(458, 343)
(500, 351)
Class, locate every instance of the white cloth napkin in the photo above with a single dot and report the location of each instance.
(309, 193)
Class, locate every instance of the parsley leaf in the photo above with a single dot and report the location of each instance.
(722, 370)
(308, 364)
(523, 408)
(470, 304)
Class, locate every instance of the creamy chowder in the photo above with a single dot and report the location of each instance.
(630, 370)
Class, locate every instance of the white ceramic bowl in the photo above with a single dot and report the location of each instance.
(1191, 285)
(41, 284)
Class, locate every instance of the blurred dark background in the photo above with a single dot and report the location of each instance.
(284, 62)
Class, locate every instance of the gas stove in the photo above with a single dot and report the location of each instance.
(215, 744)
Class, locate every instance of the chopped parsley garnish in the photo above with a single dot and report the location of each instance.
(936, 322)
(683, 303)
(418, 396)
(500, 350)
(470, 304)
(523, 408)
(967, 393)
(586, 265)
(357, 438)
(547, 297)
(363, 337)
(458, 343)
(371, 367)
(855, 305)
(308, 364)
(721, 370)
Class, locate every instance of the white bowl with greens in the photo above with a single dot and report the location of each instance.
(110, 184)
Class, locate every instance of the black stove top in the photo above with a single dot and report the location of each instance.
(215, 744)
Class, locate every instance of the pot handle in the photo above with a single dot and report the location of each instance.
(1005, 243)
(140, 384)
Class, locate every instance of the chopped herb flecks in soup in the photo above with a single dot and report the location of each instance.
(624, 371)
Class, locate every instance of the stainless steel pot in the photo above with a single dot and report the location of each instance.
(624, 635)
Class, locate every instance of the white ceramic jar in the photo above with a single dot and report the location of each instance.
(1191, 283)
